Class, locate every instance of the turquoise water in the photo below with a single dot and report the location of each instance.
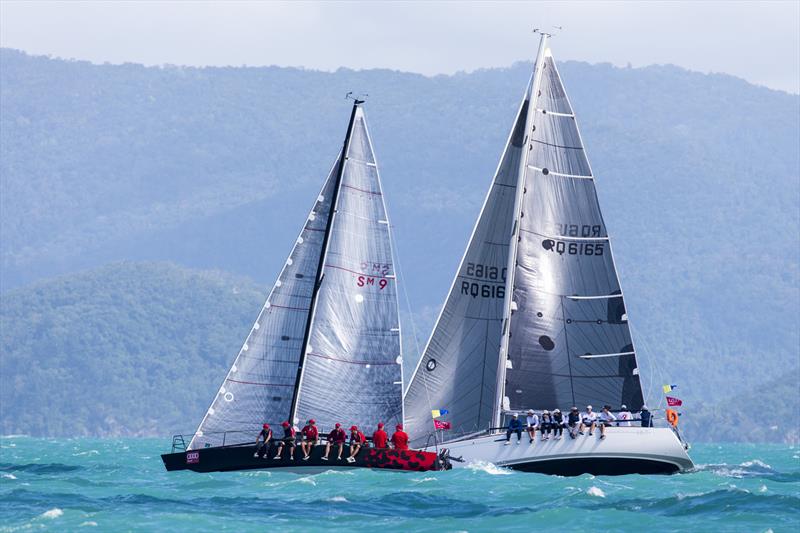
(110, 485)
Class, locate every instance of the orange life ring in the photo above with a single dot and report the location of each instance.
(672, 417)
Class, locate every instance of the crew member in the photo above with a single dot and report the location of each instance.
(266, 435)
(380, 438)
(547, 424)
(514, 426)
(288, 440)
(532, 421)
(310, 435)
(337, 437)
(588, 420)
(573, 421)
(607, 418)
(624, 416)
(647, 417)
(357, 440)
(558, 424)
(400, 438)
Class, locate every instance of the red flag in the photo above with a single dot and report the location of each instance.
(438, 424)
(674, 402)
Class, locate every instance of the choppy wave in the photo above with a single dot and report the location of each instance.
(63, 486)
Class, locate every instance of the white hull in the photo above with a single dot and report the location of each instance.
(625, 450)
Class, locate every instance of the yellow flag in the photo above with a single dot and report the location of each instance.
(666, 388)
(435, 413)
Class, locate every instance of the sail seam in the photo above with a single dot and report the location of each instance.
(555, 113)
(376, 193)
(322, 356)
(262, 384)
(620, 354)
(557, 145)
(560, 174)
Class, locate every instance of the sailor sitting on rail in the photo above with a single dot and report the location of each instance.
(263, 449)
(557, 421)
(514, 426)
(607, 418)
(573, 421)
(337, 437)
(288, 440)
(588, 420)
(532, 421)
(310, 436)
(357, 439)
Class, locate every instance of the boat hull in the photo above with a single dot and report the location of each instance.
(231, 458)
(625, 450)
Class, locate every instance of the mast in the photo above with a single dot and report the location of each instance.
(323, 254)
(512, 253)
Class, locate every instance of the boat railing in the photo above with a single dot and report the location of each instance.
(230, 438)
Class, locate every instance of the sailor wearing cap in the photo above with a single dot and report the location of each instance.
(336, 437)
(357, 439)
(532, 424)
(263, 449)
(310, 435)
(573, 421)
(588, 420)
(558, 423)
(624, 416)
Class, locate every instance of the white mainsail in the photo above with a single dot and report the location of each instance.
(557, 333)
(326, 344)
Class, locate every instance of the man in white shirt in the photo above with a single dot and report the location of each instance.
(607, 418)
(588, 420)
(533, 424)
(624, 416)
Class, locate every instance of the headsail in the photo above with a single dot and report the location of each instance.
(353, 366)
(458, 368)
(349, 368)
(570, 343)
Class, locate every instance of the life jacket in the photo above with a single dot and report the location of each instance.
(558, 418)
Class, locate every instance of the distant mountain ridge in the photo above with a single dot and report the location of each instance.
(215, 168)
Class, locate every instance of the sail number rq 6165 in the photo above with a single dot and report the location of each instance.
(485, 281)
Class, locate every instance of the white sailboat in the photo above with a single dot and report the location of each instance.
(535, 317)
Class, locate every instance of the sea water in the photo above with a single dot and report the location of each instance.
(121, 485)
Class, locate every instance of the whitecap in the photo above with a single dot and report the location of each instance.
(337, 499)
(755, 462)
(596, 491)
(306, 480)
(762, 488)
(52, 513)
(489, 468)
(88, 452)
(9, 476)
(90, 523)
(423, 480)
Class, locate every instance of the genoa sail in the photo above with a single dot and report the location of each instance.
(353, 366)
(458, 368)
(327, 343)
(567, 340)
(570, 343)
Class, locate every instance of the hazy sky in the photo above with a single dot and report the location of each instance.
(758, 41)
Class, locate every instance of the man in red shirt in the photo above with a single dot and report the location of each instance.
(380, 438)
(288, 440)
(263, 449)
(310, 438)
(357, 439)
(400, 438)
(337, 436)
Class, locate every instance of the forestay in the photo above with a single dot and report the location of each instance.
(570, 343)
(352, 372)
(458, 368)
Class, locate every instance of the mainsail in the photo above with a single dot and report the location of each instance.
(326, 343)
(536, 317)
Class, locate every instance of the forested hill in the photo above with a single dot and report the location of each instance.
(140, 349)
(216, 168)
(127, 349)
